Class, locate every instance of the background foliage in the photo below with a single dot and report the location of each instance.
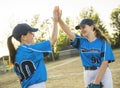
(63, 41)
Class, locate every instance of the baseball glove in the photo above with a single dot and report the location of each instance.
(95, 85)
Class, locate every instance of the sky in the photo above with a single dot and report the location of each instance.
(14, 11)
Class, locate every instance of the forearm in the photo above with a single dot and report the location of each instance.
(66, 29)
(54, 33)
(101, 72)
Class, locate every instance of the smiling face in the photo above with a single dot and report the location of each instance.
(87, 30)
(27, 39)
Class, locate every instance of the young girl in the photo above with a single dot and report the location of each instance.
(28, 58)
(95, 52)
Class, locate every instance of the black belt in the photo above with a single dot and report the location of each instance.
(90, 68)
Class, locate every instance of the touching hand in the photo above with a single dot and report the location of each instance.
(59, 14)
(55, 13)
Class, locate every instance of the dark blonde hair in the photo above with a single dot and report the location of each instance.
(12, 50)
(99, 34)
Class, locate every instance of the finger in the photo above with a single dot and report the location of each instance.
(56, 8)
(60, 12)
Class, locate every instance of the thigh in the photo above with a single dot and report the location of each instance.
(89, 76)
(107, 79)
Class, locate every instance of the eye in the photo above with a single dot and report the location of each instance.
(30, 33)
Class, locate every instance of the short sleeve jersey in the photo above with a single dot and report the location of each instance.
(29, 63)
(93, 53)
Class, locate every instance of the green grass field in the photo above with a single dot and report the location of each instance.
(66, 73)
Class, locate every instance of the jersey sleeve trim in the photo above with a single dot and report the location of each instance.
(104, 56)
(76, 42)
(35, 49)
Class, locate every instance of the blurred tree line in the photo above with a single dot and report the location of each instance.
(63, 41)
(115, 24)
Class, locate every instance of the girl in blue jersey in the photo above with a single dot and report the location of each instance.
(28, 58)
(95, 52)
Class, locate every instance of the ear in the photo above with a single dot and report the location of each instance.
(23, 37)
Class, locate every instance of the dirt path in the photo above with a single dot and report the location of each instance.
(67, 73)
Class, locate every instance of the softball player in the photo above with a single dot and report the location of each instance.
(95, 52)
(28, 58)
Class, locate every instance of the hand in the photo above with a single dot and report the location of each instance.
(59, 14)
(95, 82)
(91, 85)
(55, 13)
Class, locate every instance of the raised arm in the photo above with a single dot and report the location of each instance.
(65, 27)
(53, 37)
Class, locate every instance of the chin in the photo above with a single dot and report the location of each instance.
(31, 42)
(85, 35)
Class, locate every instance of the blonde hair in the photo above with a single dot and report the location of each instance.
(99, 34)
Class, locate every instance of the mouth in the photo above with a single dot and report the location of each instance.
(83, 32)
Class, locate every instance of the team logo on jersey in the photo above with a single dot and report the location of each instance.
(90, 50)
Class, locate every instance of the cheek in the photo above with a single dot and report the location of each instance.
(87, 30)
(30, 39)
(83, 31)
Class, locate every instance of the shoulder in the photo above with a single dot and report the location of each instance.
(79, 37)
(40, 43)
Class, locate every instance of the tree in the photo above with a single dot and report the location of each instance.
(43, 33)
(35, 20)
(63, 42)
(90, 13)
(115, 23)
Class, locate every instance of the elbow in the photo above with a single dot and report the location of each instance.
(105, 62)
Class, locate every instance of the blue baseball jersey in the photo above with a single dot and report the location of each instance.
(93, 53)
(29, 64)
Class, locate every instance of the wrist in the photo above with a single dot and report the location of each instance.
(96, 82)
(59, 20)
(55, 22)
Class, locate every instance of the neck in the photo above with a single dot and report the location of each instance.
(91, 37)
(23, 42)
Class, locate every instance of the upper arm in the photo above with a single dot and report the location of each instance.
(66, 29)
(44, 46)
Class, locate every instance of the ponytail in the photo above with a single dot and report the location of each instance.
(99, 34)
(11, 49)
